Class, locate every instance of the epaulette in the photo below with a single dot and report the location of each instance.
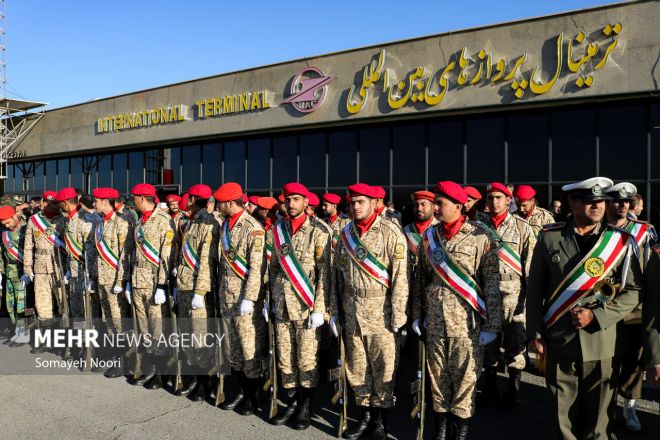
(519, 218)
(553, 226)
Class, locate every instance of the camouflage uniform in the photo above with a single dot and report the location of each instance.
(388, 214)
(80, 232)
(247, 334)
(297, 343)
(41, 261)
(337, 226)
(454, 356)
(538, 218)
(201, 232)
(371, 312)
(12, 270)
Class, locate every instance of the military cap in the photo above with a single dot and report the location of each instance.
(183, 203)
(8, 201)
(172, 198)
(592, 189)
(380, 192)
(228, 191)
(49, 196)
(314, 200)
(524, 193)
(266, 202)
(66, 194)
(294, 188)
(280, 198)
(362, 189)
(105, 193)
(331, 198)
(622, 191)
(6, 212)
(451, 190)
(253, 199)
(472, 192)
(200, 191)
(144, 189)
(423, 195)
(498, 187)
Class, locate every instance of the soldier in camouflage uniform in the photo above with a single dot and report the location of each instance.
(11, 269)
(458, 303)
(313, 205)
(241, 261)
(198, 257)
(526, 201)
(43, 242)
(423, 209)
(153, 258)
(369, 294)
(299, 284)
(382, 210)
(334, 218)
(515, 240)
(113, 246)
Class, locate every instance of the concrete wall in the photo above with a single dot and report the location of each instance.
(632, 68)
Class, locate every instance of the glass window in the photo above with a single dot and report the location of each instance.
(8, 186)
(485, 150)
(409, 154)
(35, 175)
(342, 154)
(153, 169)
(234, 167)
(375, 146)
(51, 175)
(528, 147)
(21, 182)
(62, 174)
(191, 159)
(105, 171)
(651, 211)
(212, 165)
(312, 160)
(258, 175)
(445, 151)
(284, 161)
(622, 130)
(136, 168)
(120, 172)
(77, 165)
(573, 144)
(173, 164)
(403, 204)
(655, 141)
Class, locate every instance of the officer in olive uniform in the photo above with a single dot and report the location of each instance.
(571, 319)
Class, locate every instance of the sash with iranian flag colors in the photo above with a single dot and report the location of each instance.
(365, 260)
(269, 251)
(48, 230)
(190, 257)
(231, 255)
(105, 251)
(146, 248)
(291, 266)
(601, 259)
(413, 237)
(15, 251)
(504, 252)
(451, 273)
(638, 230)
(74, 248)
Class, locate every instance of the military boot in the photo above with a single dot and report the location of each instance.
(201, 392)
(291, 401)
(149, 372)
(489, 394)
(22, 337)
(156, 382)
(379, 425)
(440, 426)
(229, 405)
(116, 370)
(249, 405)
(189, 384)
(360, 428)
(461, 431)
(511, 394)
(304, 412)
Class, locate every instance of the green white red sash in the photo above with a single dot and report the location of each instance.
(231, 255)
(504, 252)
(451, 273)
(75, 249)
(638, 230)
(190, 257)
(413, 237)
(13, 250)
(269, 251)
(48, 230)
(365, 260)
(291, 266)
(335, 239)
(147, 249)
(601, 259)
(105, 251)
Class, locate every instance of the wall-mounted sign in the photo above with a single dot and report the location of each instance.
(146, 118)
(226, 105)
(17, 154)
(308, 90)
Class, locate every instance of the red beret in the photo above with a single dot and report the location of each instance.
(451, 190)
(280, 198)
(183, 203)
(49, 195)
(172, 198)
(201, 191)
(266, 202)
(228, 191)
(314, 201)
(253, 199)
(6, 212)
(424, 195)
(105, 193)
(473, 192)
(498, 187)
(244, 199)
(157, 200)
(332, 198)
(524, 193)
(292, 188)
(66, 194)
(379, 192)
(144, 189)
(362, 189)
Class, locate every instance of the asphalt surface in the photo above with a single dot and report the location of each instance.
(89, 406)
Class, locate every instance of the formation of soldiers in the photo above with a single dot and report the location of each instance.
(280, 276)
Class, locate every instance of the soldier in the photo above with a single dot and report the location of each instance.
(330, 207)
(266, 212)
(282, 211)
(631, 375)
(515, 240)
(241, 269)
(369, 294)
(423, 208)
(299, 284)
(474, 196)
(651, 318)
(458, 303)
(113, 248)
(198, 258)
(172, 201)
(251, 205)
(537, 217)
(314, 203)
(153, 237)
(11, 269)
(43, 238)
(571, 319)
(382, 210)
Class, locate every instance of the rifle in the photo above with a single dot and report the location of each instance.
(220, 328)
(177, 383)
(271, 383)
(338, 375)
(63, 293)
(418, 386)
(87, 304)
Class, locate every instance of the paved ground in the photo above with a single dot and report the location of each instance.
(89, 406)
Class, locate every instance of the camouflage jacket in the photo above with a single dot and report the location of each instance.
(201, 233)
(7, 261)
(114, 233)
(539, 218)
(38, 252)
(80, 229)
(158, 231)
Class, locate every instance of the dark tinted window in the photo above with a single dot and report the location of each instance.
(343, 158)
(258, 164)
(119, 170)
(136, 168)
(212, 165)
(191, 158)
(528, 148)
(174, 157)
(573, 144)
(77, 180)
(51, 175)
(655, 140)
(153, 167)
(104, 171)
(446, 151)
(485, 158)
(284, 161)
(312, 159)
(9, 181)
(409, 154)
(375, 145)
(622, 131)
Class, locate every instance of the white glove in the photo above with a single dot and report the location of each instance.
(159, 297)
(317, 319)
(0, 277)
(117, 290)
(264, 312)
(197, 302)
(127, 292)
(91, 287)
(174, 292)
(67, 277)
(174, 272)
(246, 307)
(486, 338)
(26, 280)
(333, 326)
(416, 328)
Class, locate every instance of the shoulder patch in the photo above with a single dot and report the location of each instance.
(258, 233)
(554, 226)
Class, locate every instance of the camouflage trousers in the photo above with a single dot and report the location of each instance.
(371, 362)
(45, 286)
(15, 296)
(298, 353)
(149, 317)
(454, 366)
(77, 300)
(115, 308)
(513, 338)
(193, 322)
(247, 342)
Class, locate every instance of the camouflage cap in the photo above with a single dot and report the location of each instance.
(9, 201)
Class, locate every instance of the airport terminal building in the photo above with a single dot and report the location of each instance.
(542, 101)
